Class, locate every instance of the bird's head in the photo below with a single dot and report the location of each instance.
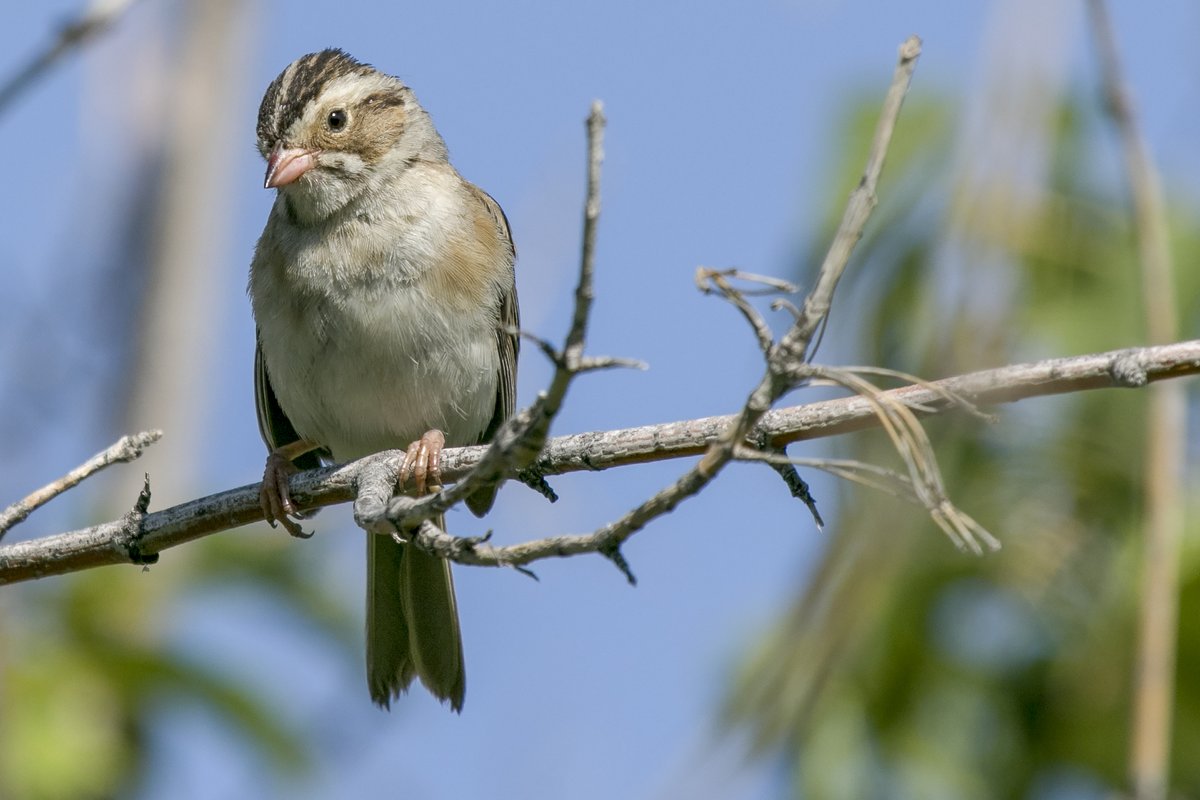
(331, 127)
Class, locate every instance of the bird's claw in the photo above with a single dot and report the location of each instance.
(275, 498)
(423, 462)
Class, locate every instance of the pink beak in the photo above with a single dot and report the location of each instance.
(286, 165)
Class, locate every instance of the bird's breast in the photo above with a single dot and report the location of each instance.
(370, 363)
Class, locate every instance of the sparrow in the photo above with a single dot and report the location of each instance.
(385, 302)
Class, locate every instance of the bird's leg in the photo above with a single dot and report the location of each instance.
(423, 462)
(273, 495)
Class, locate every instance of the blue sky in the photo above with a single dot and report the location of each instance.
(721, 123)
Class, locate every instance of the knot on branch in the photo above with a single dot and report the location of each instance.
(1129, 371)
(134, 528)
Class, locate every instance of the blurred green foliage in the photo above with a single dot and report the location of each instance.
(88, 664)
(907, 669)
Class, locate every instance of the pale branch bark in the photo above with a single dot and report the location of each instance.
(109, 543)
(98, 16)
(126, 449)
(1166, 432)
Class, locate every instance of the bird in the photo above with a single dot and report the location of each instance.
(384, 297)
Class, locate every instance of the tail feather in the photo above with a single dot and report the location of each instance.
(412, 623)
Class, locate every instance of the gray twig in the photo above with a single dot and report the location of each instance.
(126, 449)
(716, 281)
(785, 358)
(583, 452)
(777, 459)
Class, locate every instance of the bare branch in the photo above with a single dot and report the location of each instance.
(783, 359)
(948, 396)
(858, 210)
(785, 467)
(716, 281)
(582, 452)
(125, 450)
(585, 363)
(97, 17)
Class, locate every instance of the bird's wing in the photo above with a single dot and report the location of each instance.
(508, 342)
(276, 429)
(508, 345)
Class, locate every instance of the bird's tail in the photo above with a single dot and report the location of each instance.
(412, 623)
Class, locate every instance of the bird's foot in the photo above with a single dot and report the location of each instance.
(275, 497)
(423, 462)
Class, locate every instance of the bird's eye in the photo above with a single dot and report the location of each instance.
(337, 119)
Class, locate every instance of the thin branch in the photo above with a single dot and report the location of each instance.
(127, 449)
(105, 544)
(716, 281)
(98, 16)
(781, 358)
(1165, 460)
(778, 460)
(949, 397)
(591, 216)
(786, 361)
(585, 363)
(862, 202)
(768, 284)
